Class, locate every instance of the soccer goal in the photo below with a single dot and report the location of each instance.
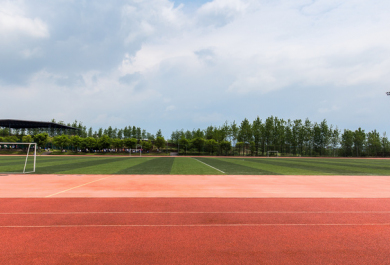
(19, 164)
(272, 153)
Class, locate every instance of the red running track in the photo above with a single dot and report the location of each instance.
(194, 231)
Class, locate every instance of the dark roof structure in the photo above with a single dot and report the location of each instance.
(21, 124)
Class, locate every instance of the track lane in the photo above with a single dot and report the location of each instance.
(192, 219)
(197, 245)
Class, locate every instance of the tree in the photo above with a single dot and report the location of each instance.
(160, 142)
(41, 139)
(184, 143)
(104, 142)
(76, 141)
(385, 144)
(226, 146)
(90, 133)
(373, 143)
(159, 134)
(130, 143)
(198, 143)
(308, 136)
(146, 145)
(257, 133)
(27, 139)
(100, 133)
(234, 133)
(211, 145)
(61, 141)
(359, 137)
(117, 143)
(347, 142)
(245, 133)
(138, 133)
(240, 146)
(335, 139)
(268, 132)
(89, 143)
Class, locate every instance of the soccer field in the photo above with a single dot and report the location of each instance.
(197, 165)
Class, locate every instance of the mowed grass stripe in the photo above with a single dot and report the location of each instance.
(190, 166)
(16, 164)
(14, 161)
(53, 161)
(270, 169)
(75, 164)
(155, 166)
(312, 165)
(346, 168)
(231, 168)
(359, 164)
(108, 168)
(58, 163)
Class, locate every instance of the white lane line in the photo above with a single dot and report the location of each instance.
(209, 165)
(193, 225)
(77, 186)
(277, 212)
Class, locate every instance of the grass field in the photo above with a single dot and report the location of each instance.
(197, 166)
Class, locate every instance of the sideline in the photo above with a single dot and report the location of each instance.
(78, 186)
(209, 165)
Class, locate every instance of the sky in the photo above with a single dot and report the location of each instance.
(171, 65)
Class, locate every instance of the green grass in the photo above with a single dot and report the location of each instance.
(196, 166)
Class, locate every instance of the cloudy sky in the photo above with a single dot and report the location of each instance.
(160, 64)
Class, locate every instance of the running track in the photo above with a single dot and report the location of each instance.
(57, 219)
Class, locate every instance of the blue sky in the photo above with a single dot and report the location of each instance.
(169, 65)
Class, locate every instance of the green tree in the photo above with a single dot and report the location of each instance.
(117, 143)
(90, 143)
(76, 141)
(41, 139)
(347, 142)
(61, 141)
(373, 143)
(226, 146)
(211, 145)
(245, 133)
(335, 139)
(130, 143)
(198, 143)
(104, 142)
(160, 142)
(257, 134)
(184, 143)
(359, 138)
(146, 145)
(385, 144)
(27, 139)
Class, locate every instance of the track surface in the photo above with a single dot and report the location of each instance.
(148, 228)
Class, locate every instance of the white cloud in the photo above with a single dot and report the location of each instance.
(14, 22)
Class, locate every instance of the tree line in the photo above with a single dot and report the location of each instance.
(287, 137)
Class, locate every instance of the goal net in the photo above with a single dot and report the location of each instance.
(272, 153)
(21, 157)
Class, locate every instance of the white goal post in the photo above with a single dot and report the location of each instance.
(276, 152)
(10, 145)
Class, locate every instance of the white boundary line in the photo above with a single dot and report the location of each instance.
(209, 165)
(275, 212)
(193, 225)
(78, 186)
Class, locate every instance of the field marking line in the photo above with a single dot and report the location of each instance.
(193, 225)
(78, 186)
(274, 212)
(209, 165)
